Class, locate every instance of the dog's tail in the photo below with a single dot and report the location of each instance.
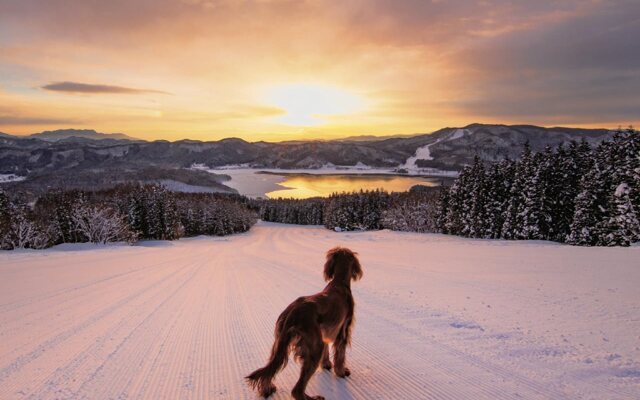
(261, 379)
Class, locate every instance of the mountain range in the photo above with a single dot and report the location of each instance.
(51, 154)
(72, 135)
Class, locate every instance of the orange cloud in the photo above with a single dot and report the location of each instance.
(87, 88)
(419, 64)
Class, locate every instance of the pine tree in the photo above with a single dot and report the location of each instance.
(534, 214)
(499, 181)
(442, 210)
(136, 212)
(475, 223)
(515, 210)
(630, 164)
(458, 203)
(564, 186)
(171, 224)
(623, 226)
(591, 207)
(5, 220)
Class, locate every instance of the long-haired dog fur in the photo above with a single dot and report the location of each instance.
(309, 324)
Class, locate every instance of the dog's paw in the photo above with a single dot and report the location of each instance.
(268, 391)
(327, 365)
(343, 374)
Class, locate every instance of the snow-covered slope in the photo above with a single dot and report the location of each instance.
(438, 317)
(64, 158)
(424, 152)
(10, 178)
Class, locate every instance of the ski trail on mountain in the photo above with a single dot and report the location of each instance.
(424, 152)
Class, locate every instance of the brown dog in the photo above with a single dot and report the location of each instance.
(309, 324)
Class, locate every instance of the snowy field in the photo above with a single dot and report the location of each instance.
(438, 317)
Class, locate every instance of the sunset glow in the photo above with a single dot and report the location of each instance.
(309, 104)
(280, 70)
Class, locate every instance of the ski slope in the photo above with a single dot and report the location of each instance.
(438, 317)
(424, 152)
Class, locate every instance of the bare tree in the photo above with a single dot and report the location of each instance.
(24, 233)
(101, 224)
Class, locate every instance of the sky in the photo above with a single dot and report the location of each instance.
(317, 69)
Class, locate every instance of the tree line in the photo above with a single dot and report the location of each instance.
(125, 213)
(573, 194)
(364, 210)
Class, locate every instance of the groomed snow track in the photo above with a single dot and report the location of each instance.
(189, 319)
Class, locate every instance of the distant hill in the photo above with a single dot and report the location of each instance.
(364, 138)
(67, 153)
(60, 134)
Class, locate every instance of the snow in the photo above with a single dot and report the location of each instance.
(424, 153)
(327, 169)
(438, 317)
(459, 133)
(621, 190)
(4, 178)
(360, 166)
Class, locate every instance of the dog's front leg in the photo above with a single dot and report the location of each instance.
(326, 361)
(339, 357)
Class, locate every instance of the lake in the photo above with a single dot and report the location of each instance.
(305, 186)
(302, 184)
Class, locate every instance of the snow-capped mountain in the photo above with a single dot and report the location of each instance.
(65, 153)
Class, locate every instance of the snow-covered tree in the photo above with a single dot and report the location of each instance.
(412, 212)
(499, 180)
(23, 232)
(458, 202)
(515, 211)
(101, 224)
(355, 211)
(589, 211)
(442, 210)
(623, 226)
(5, 220)
(475, 220)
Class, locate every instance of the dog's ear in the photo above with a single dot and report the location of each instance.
(356, 268)
(330, 264)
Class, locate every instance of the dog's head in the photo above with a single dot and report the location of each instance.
(342, 263)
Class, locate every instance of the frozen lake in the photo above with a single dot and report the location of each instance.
(301, 184)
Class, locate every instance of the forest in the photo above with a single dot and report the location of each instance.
(126, 213)
(575, 194)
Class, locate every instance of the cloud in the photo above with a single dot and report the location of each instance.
(7, 120)
(87, 88)
(422, 63)
(582, 69)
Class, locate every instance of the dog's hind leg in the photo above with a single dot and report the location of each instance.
(262, 379)
(326, 361)
(309, 350)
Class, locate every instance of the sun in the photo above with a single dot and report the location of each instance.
(309, 104)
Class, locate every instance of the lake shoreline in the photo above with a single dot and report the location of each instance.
(364, 174)
(296, 183)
